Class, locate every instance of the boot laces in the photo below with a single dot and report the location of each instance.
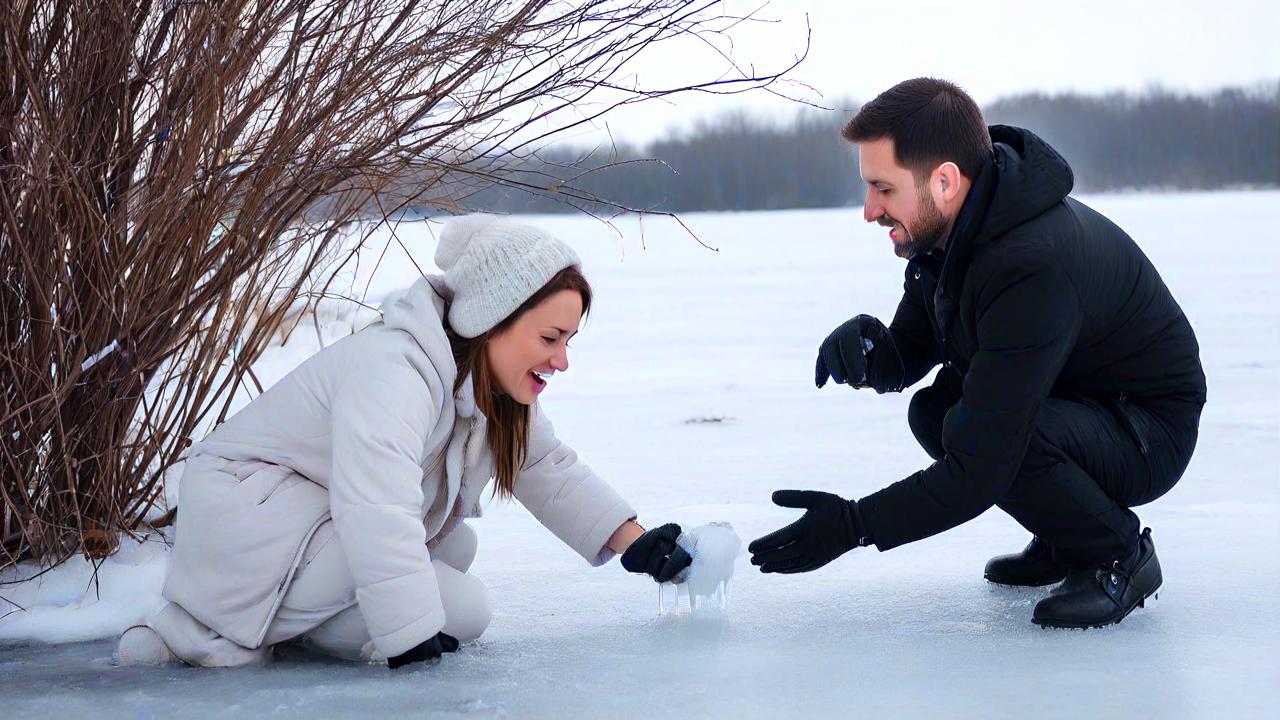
(1112, 572)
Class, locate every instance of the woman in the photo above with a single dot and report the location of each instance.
(330, 509)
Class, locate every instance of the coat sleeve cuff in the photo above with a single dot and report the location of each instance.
(407, 637)
(594, 546)
(401, 613)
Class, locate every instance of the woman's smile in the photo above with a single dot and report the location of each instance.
(539, 380)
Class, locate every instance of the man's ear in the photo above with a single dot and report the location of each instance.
(947, 179)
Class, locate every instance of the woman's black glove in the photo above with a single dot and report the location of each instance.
(844, 355)
(429, 650)
(657, 554)
(830, 527)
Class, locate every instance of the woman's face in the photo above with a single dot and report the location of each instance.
(523, 356)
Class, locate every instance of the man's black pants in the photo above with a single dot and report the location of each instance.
(1087, 464)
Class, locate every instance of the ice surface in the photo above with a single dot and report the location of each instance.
(678, 333)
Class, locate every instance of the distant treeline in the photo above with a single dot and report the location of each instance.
(1156, 139)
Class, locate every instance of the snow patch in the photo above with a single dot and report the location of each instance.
(80, 600)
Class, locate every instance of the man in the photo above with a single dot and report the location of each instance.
(1070, 389)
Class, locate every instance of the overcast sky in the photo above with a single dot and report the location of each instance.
(992, 49)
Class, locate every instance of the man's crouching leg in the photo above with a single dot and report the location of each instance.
(929, 407)
(1084, 468)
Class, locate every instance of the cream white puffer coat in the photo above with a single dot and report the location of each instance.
(367, 432)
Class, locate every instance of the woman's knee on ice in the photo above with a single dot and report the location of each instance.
(466, 602)
(458, 548)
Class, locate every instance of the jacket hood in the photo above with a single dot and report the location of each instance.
(419, 310)
(1032, 177)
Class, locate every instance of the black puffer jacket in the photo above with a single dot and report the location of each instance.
(1036, 296)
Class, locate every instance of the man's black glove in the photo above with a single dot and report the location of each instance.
(657, 554)
(438, 645)
(829, 528)
(843, 355)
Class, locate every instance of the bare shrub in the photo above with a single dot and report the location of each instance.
(171, 173)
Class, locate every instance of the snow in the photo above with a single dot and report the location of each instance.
(690, 389)
(73, 603)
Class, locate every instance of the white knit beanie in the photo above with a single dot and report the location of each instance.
(492, 266)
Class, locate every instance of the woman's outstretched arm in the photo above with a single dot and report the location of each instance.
(626, 534)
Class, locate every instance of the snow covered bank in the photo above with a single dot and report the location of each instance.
(73, 603)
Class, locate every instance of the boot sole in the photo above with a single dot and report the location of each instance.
(1148, 602)
(995, 580)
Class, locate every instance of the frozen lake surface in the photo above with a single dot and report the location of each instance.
(690, 389)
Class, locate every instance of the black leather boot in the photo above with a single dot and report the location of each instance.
(1032, 567)
(1077, 579)
(1114, 590)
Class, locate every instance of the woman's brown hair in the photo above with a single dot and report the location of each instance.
(508, 420)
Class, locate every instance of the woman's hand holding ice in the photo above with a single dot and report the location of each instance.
(656, 554)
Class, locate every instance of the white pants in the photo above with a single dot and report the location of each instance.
(319, 609)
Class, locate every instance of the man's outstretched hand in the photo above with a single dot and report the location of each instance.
(829, 528)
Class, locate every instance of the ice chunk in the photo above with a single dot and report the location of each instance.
(705, 583)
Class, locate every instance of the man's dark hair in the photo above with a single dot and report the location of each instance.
(930, 121)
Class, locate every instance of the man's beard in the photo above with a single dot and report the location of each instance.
(927, 235)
